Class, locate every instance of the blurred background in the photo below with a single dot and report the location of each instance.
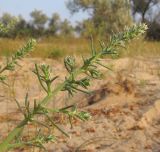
(65, 26)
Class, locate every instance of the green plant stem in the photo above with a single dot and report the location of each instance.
(46, 100)
(15, 132)
(5, 144)
(17, 145)
(115, 41)
(11, 136)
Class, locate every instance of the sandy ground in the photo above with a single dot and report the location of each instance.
(125, 107)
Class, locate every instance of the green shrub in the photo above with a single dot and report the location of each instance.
(72, 84)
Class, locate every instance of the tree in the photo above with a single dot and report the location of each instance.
(54, 24)
(85, 28)
(66, 28)
(143, 7)
(20, 27)
(39, 19)
(106, 16)
(7, 19)
(154, 28)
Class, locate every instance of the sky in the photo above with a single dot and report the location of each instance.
(24, 7)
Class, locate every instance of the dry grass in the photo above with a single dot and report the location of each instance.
(49, 47)
(60, 47)
(143, 48)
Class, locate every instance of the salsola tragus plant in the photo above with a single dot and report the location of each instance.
(72, 84)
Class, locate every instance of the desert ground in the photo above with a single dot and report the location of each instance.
(125, 106)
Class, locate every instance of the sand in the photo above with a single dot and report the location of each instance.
(125, 107)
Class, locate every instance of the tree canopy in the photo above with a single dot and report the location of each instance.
(106, 16)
